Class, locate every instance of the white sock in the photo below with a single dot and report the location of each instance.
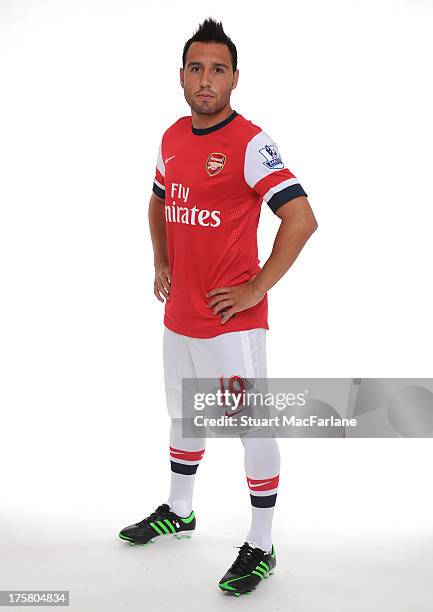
(262, 468)
(181, 492)
(185, 457)
(260, 533)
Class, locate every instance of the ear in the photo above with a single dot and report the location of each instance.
(235, 78)
(181, 77)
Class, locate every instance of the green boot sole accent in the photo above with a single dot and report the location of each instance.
(238, 593)
(123, 537)
(131, 542)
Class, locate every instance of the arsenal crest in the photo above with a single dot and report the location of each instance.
(215, 163)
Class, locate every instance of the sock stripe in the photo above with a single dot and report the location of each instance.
(263, 484)
(263, 501)
(183, 468)
(177, 453)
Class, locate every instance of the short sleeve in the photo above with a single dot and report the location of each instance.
(159, 180)
(265, 172)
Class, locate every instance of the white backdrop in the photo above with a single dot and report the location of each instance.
(87, 88)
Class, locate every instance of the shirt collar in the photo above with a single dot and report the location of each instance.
(212, 128)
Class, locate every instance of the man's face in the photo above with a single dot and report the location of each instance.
(208, 77)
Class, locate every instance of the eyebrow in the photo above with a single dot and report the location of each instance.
(201, 64)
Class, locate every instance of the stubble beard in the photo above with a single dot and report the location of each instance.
(205, 108)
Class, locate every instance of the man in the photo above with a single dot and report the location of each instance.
(214, 170)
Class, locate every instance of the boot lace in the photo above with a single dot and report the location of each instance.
(246, 560)
(162, 511)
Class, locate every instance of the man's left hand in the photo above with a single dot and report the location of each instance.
(236, 298)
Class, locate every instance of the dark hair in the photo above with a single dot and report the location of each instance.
(212, 31)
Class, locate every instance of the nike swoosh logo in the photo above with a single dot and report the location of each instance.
(260, 484)
(230, 413)
(168, 159)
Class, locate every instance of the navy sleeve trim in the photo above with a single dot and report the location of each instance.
(285, 195)
(158, 191)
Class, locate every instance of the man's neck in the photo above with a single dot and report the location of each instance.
(201, 121)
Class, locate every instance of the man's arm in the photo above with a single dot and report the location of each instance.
(297, 225)
(160, 252)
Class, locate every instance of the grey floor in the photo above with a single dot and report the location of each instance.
(339, 571)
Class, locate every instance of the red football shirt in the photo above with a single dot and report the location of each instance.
(213, 181)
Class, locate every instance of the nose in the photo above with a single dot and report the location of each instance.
(206, 77)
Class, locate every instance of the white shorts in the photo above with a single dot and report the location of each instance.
(238, 353)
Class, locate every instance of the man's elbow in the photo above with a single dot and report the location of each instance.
(308, 223)
(312, 226)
